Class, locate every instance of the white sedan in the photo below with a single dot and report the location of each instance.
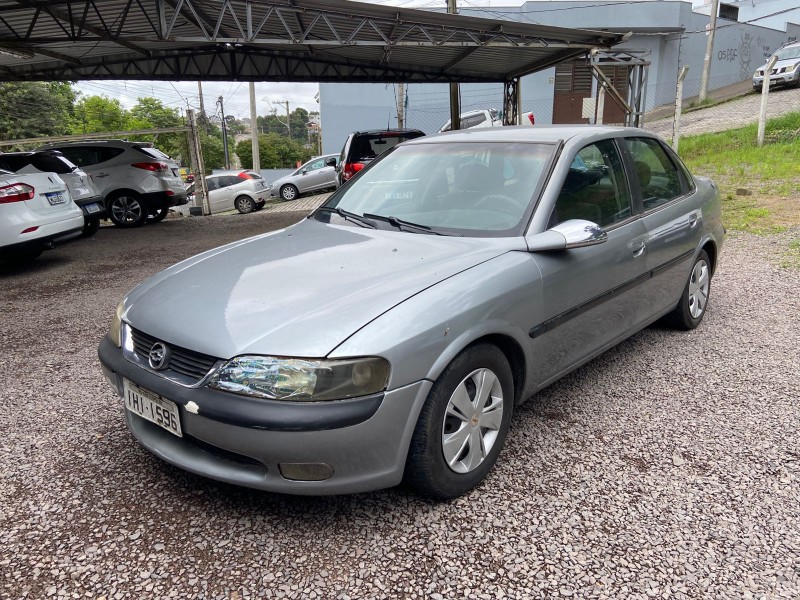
(36, 211)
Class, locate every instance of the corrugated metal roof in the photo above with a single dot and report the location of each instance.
(260, 40)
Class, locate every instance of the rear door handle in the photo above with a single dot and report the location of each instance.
(637, 248)
(693, 219)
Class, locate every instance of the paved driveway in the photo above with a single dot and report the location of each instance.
(727, 115)
(668, 468)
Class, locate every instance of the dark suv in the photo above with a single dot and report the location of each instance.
(362, 147)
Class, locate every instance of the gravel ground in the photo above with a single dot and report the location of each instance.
(667, 468)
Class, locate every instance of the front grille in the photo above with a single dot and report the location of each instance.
(186, 362)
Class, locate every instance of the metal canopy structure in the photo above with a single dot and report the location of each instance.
(279, 40)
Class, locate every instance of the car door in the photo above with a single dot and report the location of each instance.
(672, 216)
(591, 296)
(313, 177)
(216, 195)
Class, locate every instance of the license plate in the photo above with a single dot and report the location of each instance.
(94, 207)
(152, 407)
(55, 198)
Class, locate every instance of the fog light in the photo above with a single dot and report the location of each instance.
(306, 471)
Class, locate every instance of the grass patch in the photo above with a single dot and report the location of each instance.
(770, 174)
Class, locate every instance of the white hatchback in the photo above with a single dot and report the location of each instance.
(36, 210)
(244, 191)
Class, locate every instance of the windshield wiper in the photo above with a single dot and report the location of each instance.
(348, 216)
(400, 223)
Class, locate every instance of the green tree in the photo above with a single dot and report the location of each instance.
(151, 113)
(213, 152)
(273, 123)
(34, 109)
(97, 114)
(276, 152)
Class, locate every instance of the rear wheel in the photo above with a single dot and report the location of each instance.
(692, 306)
(244, 204)
(90, 226)
(289, 192)
(126, 210)
(462, 425)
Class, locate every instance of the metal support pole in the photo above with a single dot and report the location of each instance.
(709, 52)
(224, 134)
(762, 115)
(511, 102)
(676, 122)
(254, 128)
(455, 108)
(288, 119)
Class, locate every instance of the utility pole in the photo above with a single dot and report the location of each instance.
(224, 134)
(254, 128)
(200, 93)
(455, 110)
(709, 52)
(401, 105)
(288, 121)
(196, 152)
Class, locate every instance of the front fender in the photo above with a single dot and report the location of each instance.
(423, 334)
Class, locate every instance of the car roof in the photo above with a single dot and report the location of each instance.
(524, 133)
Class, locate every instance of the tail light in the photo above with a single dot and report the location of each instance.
(245, 175)
(16, 192)
(531, 119)
(156, 167)
(350, 169)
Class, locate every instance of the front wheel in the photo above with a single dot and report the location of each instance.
(127, 210)
(694, 301)
(244, 204)
(289, 192)
(462, 425)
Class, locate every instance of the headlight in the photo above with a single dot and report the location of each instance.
(302, 380)
(115, 331)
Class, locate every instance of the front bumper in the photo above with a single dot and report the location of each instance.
(245, 441)
(791, 78)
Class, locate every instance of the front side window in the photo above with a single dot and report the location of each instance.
(656, 174)
(317, 164)
(479, 189)
(595, 188)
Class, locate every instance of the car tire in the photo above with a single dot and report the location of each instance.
(694, 300)
(289, 192)
(127, 210)
(451, 451)
(90, 226)
(157, 216)
(244, 204)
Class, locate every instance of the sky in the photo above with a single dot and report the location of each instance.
(235, 95)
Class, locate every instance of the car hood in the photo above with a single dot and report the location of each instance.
(789, 62)
(300, 291)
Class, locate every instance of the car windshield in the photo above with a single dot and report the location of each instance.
(461, 188)
(788, 53)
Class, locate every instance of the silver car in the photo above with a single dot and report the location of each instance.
(786, 70)
(389, 335)
(314, 176)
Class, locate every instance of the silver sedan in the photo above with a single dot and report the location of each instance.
(314, 176)
(389, 336)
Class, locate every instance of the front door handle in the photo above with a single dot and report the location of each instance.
(637, 248)
(693, 219)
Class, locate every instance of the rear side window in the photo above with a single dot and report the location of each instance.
(85, 156)
(657, 175)
(228, 181)
(251, 175)
(13, 163)
(473, 121)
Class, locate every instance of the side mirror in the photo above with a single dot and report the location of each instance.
(330, 162)
(575, 233)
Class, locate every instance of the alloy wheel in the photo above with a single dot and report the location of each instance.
(126, 210)
(698, 289)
